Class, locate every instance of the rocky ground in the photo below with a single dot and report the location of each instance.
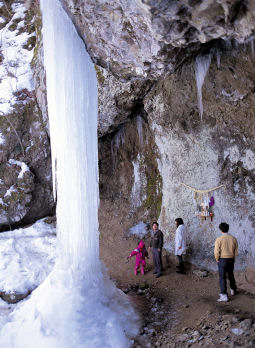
(178, 310)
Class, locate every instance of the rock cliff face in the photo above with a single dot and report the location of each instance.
(156, 133)
(205, 153)
(202, 153)
(149, 38)
(25, 170)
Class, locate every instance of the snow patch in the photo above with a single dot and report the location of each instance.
(10, 190)
(2, 139)
(233, 153)
(27, 256)
(15, 71)
(140, 230)
(249, 160)
(22, 165)
(233, 96)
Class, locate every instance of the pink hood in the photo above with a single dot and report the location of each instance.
(141, 245)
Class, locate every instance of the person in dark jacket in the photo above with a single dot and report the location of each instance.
(156, 244)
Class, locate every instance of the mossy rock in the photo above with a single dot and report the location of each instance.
(144, 285)
(100, 75)
(30, 44)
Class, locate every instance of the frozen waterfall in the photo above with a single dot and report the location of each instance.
(76, 306)
(201, 67)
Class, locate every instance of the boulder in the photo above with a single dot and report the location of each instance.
(250, 275)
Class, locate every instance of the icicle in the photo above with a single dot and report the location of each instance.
(201, 67)
(218, 58)
(117, 140)
(252, 46)
(139, 125)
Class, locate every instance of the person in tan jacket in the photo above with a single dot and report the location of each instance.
(225, 252)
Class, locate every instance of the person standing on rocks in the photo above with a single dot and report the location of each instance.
(225, 252)
(180, 243)
(156, 244)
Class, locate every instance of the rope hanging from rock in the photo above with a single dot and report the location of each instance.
(203, 209)
(202, 191)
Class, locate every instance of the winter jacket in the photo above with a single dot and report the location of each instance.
(157, 240)
(226, 247)
(180, 240)
(140, 252)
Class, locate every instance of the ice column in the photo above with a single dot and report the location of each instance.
(201, 67)
(72, 106)
(77, 305)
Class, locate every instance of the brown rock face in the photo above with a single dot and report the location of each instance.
(150, 38)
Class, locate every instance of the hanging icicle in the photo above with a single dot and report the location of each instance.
(201, 68)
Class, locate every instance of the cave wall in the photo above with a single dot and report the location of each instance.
(217, 150)
(203, 153)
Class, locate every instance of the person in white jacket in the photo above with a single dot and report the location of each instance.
(180, 243)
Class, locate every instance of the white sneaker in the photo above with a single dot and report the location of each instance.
(232, 292)
(223, 298)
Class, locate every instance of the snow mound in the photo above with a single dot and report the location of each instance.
(27, 256)
(140, 230)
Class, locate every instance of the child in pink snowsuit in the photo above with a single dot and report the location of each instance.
(140, 253)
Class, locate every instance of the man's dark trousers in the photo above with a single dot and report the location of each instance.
(157, 260)
(226, 269)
